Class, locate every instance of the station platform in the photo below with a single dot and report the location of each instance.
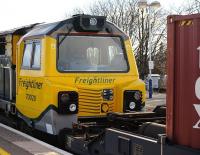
(13, 142)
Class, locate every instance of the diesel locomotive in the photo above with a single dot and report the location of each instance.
(58, 74)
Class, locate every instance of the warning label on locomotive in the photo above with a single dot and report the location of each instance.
(94, 80)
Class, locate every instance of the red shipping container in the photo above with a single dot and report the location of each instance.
(183, 85)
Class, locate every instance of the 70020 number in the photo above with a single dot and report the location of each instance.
(30, 97)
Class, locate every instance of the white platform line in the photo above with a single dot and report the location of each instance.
(36, 140)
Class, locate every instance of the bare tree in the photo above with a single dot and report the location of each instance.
(191, 7)
(187, 8)
(151, 32)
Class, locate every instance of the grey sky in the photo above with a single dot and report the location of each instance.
(15, 13)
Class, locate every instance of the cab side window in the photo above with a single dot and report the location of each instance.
(27, 55)
(36, 55)
(32, 56)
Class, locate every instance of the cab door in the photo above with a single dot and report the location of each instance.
(30, 79)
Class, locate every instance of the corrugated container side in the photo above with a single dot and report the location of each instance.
(183, 72)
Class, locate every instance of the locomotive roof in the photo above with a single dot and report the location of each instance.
(63, 26)
(67, 26)
(20, 30)
(45, 29)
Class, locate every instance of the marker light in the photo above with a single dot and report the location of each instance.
(72, 107)
(132, 105)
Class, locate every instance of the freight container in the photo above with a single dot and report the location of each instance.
(183, 86)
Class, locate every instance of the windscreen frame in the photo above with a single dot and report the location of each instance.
(92, 35)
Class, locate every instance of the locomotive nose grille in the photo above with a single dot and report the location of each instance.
(91, 101)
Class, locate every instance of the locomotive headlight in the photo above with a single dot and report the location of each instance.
(72, 107)
(87, 23)
(93, 21)
(64, 98)
(132, 105)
